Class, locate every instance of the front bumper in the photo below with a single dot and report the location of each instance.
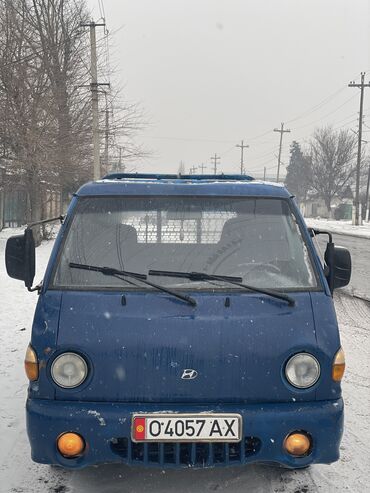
(106, 428)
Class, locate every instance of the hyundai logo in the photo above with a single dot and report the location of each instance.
(189, 374)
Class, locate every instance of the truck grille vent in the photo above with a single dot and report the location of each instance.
(185, 454)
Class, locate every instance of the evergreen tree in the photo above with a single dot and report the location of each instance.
(297, 179)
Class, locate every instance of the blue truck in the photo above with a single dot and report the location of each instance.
(183, 321)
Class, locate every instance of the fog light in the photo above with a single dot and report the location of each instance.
(297, 444)
(70, 445)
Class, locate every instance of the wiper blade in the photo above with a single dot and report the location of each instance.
(108, 271)
(194, 276)
(121, 274)
(202, 276)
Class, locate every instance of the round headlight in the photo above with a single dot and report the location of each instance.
(302, 370)
(69, 370)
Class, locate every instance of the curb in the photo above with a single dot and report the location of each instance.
(355, 294)
(341, 233)
(361, 297)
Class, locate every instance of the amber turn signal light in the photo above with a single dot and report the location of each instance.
(31, 364)
(297, 444)
(70, 445)
(339, 365)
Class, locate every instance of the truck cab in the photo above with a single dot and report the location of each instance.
(184, 321)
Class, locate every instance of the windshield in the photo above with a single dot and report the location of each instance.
(256, 239)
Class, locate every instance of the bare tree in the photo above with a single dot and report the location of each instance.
(61, 45)
(120, 122)
(332, 155)
(45, 104)
(23, 85)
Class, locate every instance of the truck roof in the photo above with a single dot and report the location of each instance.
(167, 184)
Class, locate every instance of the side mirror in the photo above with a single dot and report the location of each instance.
(20, 257)
(338, 259)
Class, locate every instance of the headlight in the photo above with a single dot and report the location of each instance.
(69, 370)
(302, 370)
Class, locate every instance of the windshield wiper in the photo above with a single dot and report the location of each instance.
(121, 274)
(202, 276)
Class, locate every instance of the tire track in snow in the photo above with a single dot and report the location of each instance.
(348, 474)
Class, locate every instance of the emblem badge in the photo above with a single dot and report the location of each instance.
(189, 374)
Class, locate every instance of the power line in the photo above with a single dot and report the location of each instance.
(190, 139)
(229, 149)
(318, 106)
(325, 116)
(256, 137)
(267, 153)
(343, 126)
(308, 112)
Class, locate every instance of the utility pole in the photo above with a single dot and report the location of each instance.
(106, 136)
(119, 166)
(264, 173)
(281, 131)
(95, 97)
(362, 86)
(202, 168)
(192, 170)
(181, 170)
(242, 147)
(367, 198)
(215, 159)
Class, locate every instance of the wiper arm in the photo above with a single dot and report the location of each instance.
(202, 276)
(108, 271)
(121, 274)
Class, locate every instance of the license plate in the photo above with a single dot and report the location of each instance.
(186, 428)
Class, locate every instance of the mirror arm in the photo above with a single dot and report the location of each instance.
(329, 256)
(37, 288)
(44, 221)
(314, 232)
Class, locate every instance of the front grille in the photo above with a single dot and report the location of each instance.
(195, 454)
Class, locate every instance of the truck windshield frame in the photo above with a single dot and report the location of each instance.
(197, 233)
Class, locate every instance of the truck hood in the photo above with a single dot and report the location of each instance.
(138, 346)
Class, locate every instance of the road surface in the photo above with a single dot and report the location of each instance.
(18, 474)
(360, 253)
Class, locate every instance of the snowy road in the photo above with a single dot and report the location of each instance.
(360, 253)
(19, 475)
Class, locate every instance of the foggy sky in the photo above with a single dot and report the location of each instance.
(209, 73)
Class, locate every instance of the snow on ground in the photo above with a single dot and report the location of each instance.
(18, 474)
(340, 227)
